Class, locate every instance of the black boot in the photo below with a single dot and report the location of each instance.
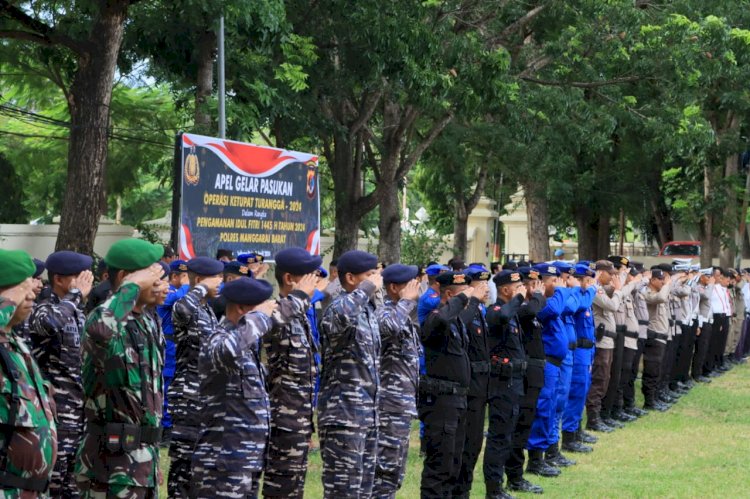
(635, 411)
(655, 405)
(554, 457)
(538, 466)
(570, 443)
(523, 485)
(586, 437)
(622, 416)
(495, 491)
(611, 422)
(594, 423)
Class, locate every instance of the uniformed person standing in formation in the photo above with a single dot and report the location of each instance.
(28, 448)
(231, 448)
(292, 370)
(193, 321)
(56, 327)
(122, 380)
(399, 372)
(350, 383)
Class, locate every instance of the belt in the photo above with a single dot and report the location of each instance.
(653, 335)
(536, 363)
(631, 334)
(133, 433)
(584, 343)
(480, 367)
(554, 361)
(642, 323)
(671, 322)
(8, 481)
(441, 387)
(621, 328)
(572, 345)
(610, 334)
(508, 369)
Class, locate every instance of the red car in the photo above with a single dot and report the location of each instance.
(681, 249)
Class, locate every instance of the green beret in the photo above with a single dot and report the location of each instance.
(133, 254)
(15, 267)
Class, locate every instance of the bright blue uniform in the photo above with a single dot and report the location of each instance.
(429, 301)
(583, 358)
(572, 302)
(165, 314)
(555, 339)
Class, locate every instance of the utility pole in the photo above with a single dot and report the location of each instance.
(222, 90)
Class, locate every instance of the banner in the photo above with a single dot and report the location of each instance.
(246, 198)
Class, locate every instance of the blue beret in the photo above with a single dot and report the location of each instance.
(478, 273)
(453, 279)
(297, 261)
(39, 267)
(559, 252)
(563, 267)
(399, 273)
(322, 272)
(67, 263)
(237, 268)
(247, 291)
(507, 277)
(356, 262)
(178, 266)
(203, 265)
(165, 269)
(436, 269)
(587, 263)
(581, 270)
(250, 258)
(547, 270)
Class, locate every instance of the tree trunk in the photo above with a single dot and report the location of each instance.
(537, 213)
(206, 51)
(460, 230)
(730, 222)
(588, 232)
(90, 97)
(664, 227)
(707, 225)
(389, 248)
(346, 191)
(603, 246)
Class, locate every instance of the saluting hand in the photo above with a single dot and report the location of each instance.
(410, 291)
(145, 278)
(376, 279)
(212, 284)
(268, 307)
(307, 284)
(83, 281)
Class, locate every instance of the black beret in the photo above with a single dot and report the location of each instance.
(237, 268)
(67, 263)
(529, 273)
(666, 267)
(39, 267)
(657, 274)
(453, 279)
(297, 261)
(247, 291)
(508, 277)
(399, 273)
(637, 265)
(511, 265)
(619, 261)
(478, 272)
(203, 265)
(356, 262)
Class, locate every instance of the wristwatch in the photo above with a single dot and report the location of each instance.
(75, 291)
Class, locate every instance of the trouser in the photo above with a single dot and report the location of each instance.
(653, 356)
(702, 344)
(670, 353)
(743, 343)
(735, 331)
(63, 480)
(579, 388)
(476, 411)
(685, 350)
(393, 447)
(96, 490)
(628, 392)
(563, 391)
(503, 416)
(610, 398)
(181, 450)
(526, 414)
(600, 373)
(444, 418)
(286, 462)
(215, 483)
(544, 420)
(628, 354)
(348, 456)
(166, 420)
(718, 342)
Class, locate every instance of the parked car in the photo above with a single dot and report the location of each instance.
(681, 249)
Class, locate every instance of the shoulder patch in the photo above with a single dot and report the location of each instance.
(434, 295)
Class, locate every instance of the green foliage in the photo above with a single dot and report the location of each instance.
(421, 245)
(11, 208)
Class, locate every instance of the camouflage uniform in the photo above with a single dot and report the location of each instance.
(292, 370)
(348, 402)
(399, 372)
(122, 384)
(28, 448)
(56, 326)
(193, 322)
(230, 452)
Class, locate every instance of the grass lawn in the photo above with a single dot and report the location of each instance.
(700, 448)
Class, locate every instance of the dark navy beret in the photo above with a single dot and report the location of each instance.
(563, 267)
(529, 273)
(478, 273)
(399, 273)
(547, 270)
(178, 266)
(436, 269)
(203, 265)
(511, 265)
(581, 270)
(165, 269)
(356, 262)
(247, 291)
(39, 267)
(250, 258)
(453, 279)
(297, 261)
(67, 263)
(237, 268)
(507, 277)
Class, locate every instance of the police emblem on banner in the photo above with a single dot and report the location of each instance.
(192, 168)
(310, 184)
